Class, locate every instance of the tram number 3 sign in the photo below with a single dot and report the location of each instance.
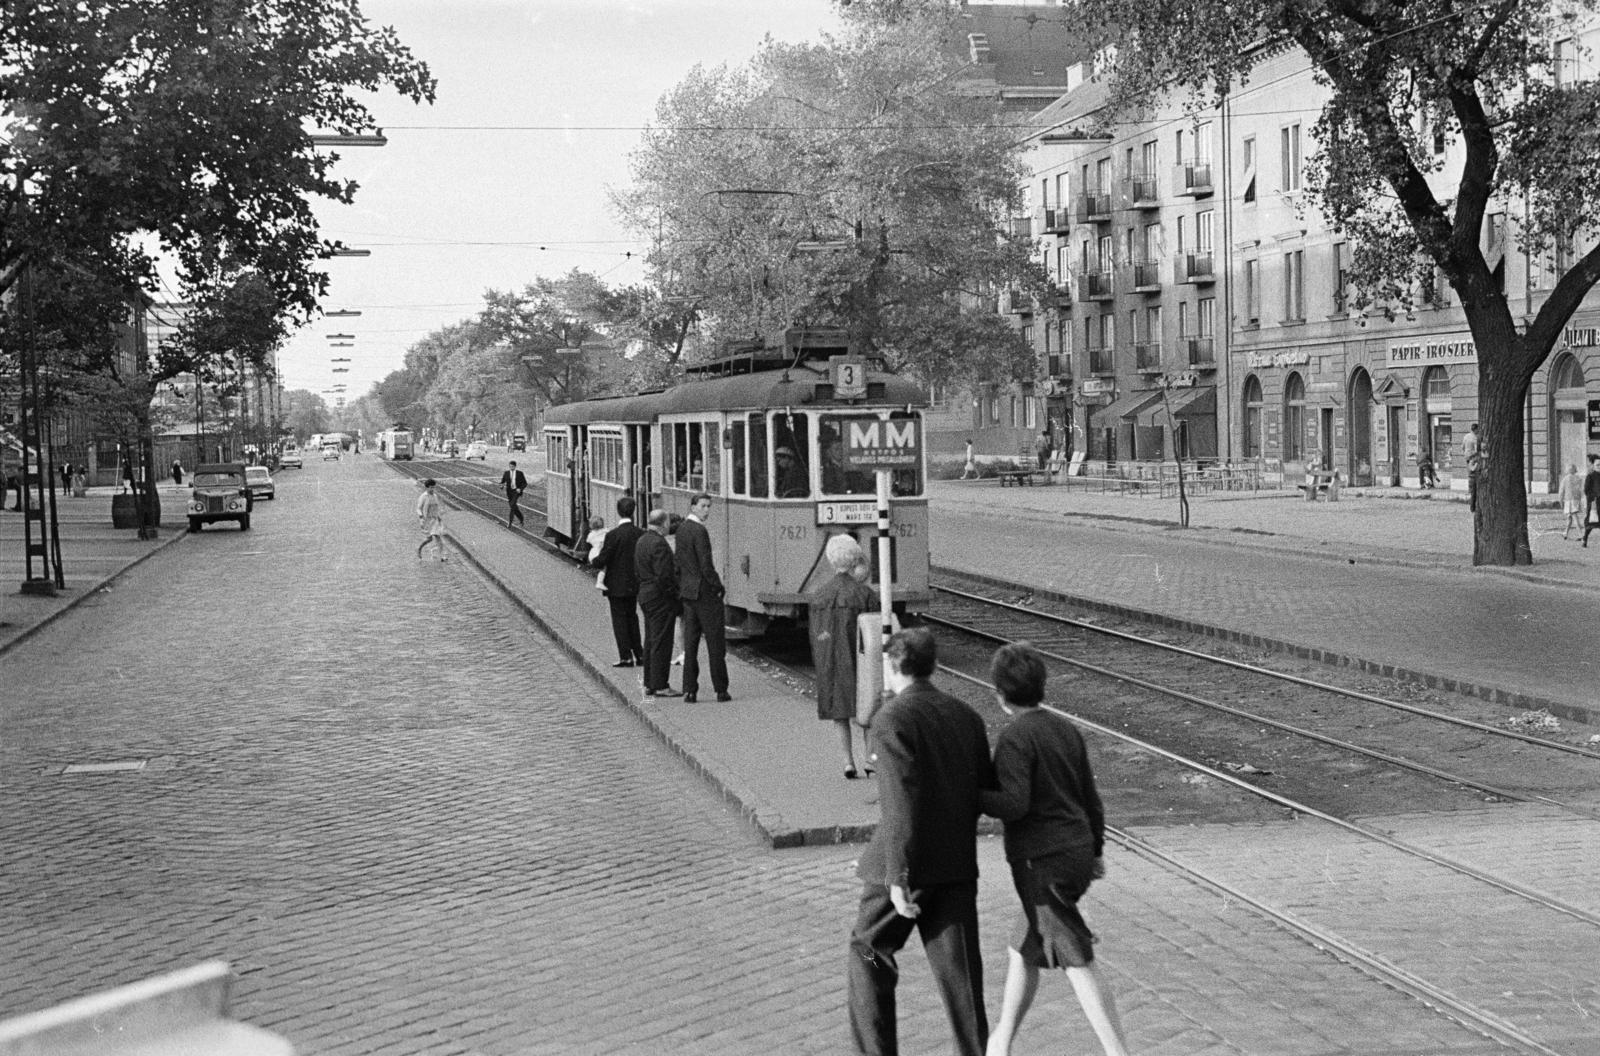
(874, 443)
(849, 377)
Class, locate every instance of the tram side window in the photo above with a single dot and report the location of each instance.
(697, 454)
(736, 455)
(791, 445)
(906, 481)
(713, 456)
(668, 461)
(758, 457)
(680, 455)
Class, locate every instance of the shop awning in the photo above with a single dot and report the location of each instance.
(1127, 405)
(1194, 402)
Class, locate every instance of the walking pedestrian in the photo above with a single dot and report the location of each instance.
(515, 482)
(177, 473)
(1571, 495)
(430, 511)
(595, 538)
(700, 588)
(80, 481)
(1591, 498)
(1042, 448)
(1054, 836)
(615, 559)
(833, 612)
(1472, 449)
(970, 470)
(658, 600)
(1427, 476)
(66, 478)
(921, 868)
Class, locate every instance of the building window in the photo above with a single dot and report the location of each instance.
(1183, 319)
(1202, 143)
(1436, 411)
(1294, 286)
(1205, 316)
(1252, 292)
(1341, 278)
(1294, 418)
(1252, 417)
(1290, 143)
(1564, 63)
(1247, 154)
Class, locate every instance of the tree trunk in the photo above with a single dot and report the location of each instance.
(1500, 519)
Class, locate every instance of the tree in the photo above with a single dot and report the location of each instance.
(304, 414)
(851, 182)
(540, 327)
(183, 124)
(1480, 74)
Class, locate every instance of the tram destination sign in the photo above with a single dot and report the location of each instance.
(873, 443)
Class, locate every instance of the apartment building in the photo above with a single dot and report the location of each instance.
(1200, 307)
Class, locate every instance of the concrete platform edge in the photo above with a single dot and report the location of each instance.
(28, 632)
(763, 817)
(1494, 694)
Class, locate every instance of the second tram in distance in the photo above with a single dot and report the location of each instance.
(762, 432)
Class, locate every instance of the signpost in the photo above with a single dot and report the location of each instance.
(883, 444)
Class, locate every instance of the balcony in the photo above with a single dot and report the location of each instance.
(1061, 294)
(1015, 302)
(1094, 208)
(1147, 357)
(1193, 179)
(1100, 361)
(1194, 268)
(1095, 286)
(1059, 366)
(1202, 352)
(1145, 276)
(1144, 191)
(1057, 219)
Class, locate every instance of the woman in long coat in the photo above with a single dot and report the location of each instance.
(833, 610)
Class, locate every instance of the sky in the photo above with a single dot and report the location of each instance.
(505, 177)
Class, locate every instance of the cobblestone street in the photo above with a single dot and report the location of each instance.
(413, 825)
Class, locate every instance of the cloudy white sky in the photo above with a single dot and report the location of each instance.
(505, 177)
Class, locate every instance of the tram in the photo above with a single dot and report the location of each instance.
(396, 445)
(763, 432)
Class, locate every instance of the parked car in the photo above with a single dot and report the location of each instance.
(258, 480)
(477, 449)
(217, 492)
(290, 459)
(330, 451)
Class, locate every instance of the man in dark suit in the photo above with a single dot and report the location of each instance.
(616, 558)
(1591, 498)
(701, 590)
(658, 598)
(921, 868)
(515, 483)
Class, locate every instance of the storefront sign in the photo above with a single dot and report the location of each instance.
(1258, 360)
(1098, 386)
(1594, 419)
(1581, 337)
(1429, 352)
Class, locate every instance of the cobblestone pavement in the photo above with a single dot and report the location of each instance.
(413, 826)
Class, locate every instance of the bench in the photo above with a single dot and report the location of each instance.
(1019, 477)
(180, 1012)
(1324, 481)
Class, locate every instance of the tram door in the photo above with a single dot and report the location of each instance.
(580, 483)
(641, 470)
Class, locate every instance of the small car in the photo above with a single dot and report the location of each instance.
(218, 493)
(258, 479)
(477, 449)
(330, 451)
(519, 441)
(290, 459)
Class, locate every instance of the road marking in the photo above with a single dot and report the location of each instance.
(125, 766)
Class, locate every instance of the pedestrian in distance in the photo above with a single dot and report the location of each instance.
(1427, 476)
(658, 600)
(66, 478)
(700, 588)
(921, 868)
(515, 483)
(833, 611)
(1571, 494)
(595, 538)
(1041, 447)
(1591, 498)
(177, 473)
(615, 560)
(1471, 447)
(430, 512)
(970, 470)
(80, 481)
(1054, 838)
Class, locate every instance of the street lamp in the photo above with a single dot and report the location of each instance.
(341, 337)
(346, 251)
(334, 139)
(342, 313)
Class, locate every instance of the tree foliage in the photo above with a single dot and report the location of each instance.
(848, 182)
(187, 124)
(1479, 73)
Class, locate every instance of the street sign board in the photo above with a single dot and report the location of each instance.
(875, 443)
(847, 512)
(849, 377)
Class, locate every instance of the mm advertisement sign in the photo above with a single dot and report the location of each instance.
(872, 443)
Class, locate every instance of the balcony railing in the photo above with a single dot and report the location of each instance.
(1195, 267)
(1193, 178)
(1016, 301)
(1146, 275)
(1144, 190)
(1094, 207)
(1057, 218)
(1147, 356)
(1058, 365)
(1095, 286)
(1202, 351)
(1100, 360)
